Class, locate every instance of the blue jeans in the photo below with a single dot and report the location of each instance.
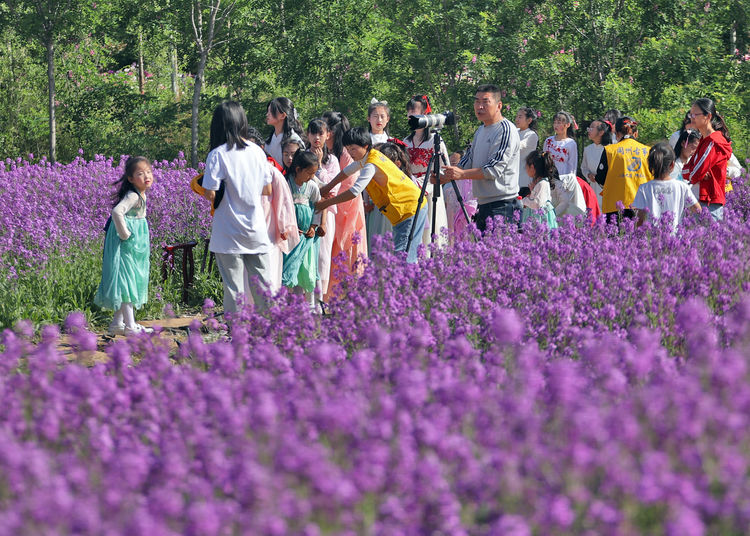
(401, 234)
(716, 210)
(506, 209)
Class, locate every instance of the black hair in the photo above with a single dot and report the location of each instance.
(358, 136)
(612, 115)
(424, 102)
(337, 124)
(229, 125)
(303, 159)
(660, 159)
(282, 105)
(605, 129)
(124, 185)
(686, 136)
(544, 166)
(708, 106)
(374, 106)
(568, 118)
(530, 113)
(319, 126)
(627, 126)
(254, 135)
(284, 144)
(490, 88)
(397, 155)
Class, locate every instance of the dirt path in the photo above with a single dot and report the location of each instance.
(174, 332)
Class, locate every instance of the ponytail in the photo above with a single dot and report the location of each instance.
(708, 106)
(627, 126)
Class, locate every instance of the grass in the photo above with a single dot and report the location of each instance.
(64, 285)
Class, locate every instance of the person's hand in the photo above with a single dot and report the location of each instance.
(210, 195)
(591, 177)
(451, 173)
(310, 232)
(320, 231)
(318, 152)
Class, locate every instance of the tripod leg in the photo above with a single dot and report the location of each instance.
(460, 199)
(419, 204)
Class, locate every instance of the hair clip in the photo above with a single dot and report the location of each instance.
(398, 142)
(378, 101)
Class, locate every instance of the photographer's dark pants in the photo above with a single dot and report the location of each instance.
(506, 209)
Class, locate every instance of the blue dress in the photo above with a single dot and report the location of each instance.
(126, 263)
(301, 264)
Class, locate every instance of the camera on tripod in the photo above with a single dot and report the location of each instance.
(432, 120)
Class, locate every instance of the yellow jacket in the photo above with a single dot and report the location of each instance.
(397, 196)
(628, 169)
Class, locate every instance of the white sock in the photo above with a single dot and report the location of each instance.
(128, 316)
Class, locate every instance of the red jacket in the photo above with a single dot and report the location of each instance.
(590, 197)
(708, 166)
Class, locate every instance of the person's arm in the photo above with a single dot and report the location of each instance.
(697, 167)
(267, 190)
(126, 204)
(343, 174)
(494, 169)
(538, 196)
(365, 176)
(572, 157)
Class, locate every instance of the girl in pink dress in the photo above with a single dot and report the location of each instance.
(350, 239)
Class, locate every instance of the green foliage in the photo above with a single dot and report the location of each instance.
(70, 285)
(648, 59)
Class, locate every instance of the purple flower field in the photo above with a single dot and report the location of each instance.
(586, 381)
(59, 209)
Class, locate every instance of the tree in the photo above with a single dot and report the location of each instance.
(45, 21)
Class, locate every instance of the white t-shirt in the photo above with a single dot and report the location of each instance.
(378, 138)
(239, 225)
(661, 196)
(564, 153)
(529, 141)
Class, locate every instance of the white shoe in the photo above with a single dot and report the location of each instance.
(137, 329)
(116, 329)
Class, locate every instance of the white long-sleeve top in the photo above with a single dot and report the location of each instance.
(540, 194)
(592, 154)
(529, 141)
(567, 196)
(132, 204)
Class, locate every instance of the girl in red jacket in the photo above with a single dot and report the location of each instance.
(708, 165)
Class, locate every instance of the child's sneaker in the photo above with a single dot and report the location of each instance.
(137, 329)
(116, 329)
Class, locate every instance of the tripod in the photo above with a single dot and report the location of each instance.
(434, 165)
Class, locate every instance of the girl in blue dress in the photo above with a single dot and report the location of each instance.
(127, 249)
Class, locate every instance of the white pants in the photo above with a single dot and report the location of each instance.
(232, 268)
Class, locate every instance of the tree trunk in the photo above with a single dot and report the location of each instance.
(175, 87)
(141, 70)
(196, 104)
(51, 88)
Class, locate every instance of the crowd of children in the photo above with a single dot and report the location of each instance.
(299, 208)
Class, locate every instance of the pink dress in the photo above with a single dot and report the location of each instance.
(351, 234)
(280, 218)
(326, 173)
